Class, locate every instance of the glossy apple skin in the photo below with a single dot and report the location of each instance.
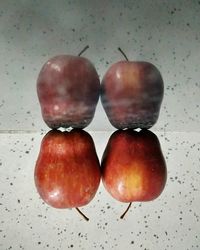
(131, 94)
(133, 166)
(68, 89)
(67, 172)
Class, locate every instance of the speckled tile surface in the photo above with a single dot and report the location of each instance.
(169, 222)
(165, 33)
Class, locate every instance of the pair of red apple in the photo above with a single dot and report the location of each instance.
(68, 89)
(68, 172)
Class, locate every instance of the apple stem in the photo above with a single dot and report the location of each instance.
(122, 216)
(83, 50)
(79, 211)
(123, 54)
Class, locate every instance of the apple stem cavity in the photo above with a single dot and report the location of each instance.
(125, 56)
(79, 211)
(122, 216)
(83, 50)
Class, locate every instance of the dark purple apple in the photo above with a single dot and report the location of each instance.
(131, 94)
(68, 89)
(67, 172)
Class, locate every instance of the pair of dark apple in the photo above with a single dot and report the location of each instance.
(68, 88)
(68, 172)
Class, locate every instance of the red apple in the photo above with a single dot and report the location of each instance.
(133, 166)
(131, 94)
(68, 89)
(67, 171)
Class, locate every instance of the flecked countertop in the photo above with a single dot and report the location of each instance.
(165, 33)
(170, 222)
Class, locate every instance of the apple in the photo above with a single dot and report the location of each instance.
(131, 94)
(133, 166)
(68, 89)
(67, 171)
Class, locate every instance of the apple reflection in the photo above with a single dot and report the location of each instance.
(133, 166)
(67, 172)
